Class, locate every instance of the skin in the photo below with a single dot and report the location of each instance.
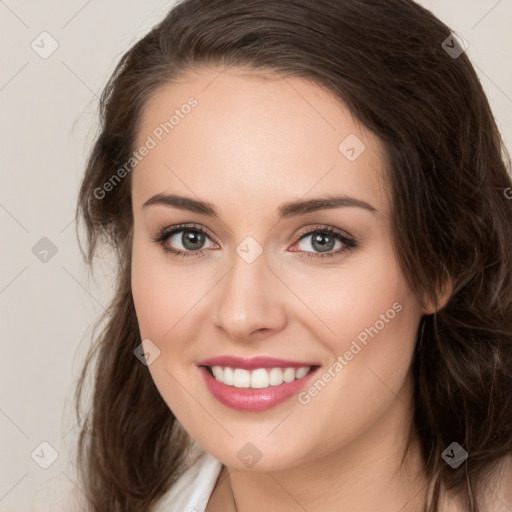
(251, 144)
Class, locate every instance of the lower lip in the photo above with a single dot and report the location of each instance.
(250, 399)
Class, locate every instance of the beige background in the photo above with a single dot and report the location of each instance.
(47, 125)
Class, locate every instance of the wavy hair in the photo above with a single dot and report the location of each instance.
(448, 176)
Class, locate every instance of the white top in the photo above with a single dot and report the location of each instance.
(193, 489)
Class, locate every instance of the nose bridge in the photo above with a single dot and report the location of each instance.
(247, 301)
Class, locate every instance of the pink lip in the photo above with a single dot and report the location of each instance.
(252, 363)
(254, 400)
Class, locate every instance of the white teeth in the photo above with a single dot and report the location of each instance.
(302, 372)
(227, 377)
(218, 372)
(241, 378)
(289, 374)
(276, 376)
(259, 378)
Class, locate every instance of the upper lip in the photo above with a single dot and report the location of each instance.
(252, 363)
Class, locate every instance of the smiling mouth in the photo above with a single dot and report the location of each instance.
(259, 378)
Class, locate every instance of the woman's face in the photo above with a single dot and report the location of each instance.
(258, 276)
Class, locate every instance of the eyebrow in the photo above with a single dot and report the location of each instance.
(285, 210)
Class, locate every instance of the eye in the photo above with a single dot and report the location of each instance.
(186, 240)
(322, 241)
(183, 240)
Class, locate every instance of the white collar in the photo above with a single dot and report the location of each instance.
(193, 489)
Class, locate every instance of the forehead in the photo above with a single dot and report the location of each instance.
(238, 136)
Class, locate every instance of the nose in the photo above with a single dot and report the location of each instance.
(249, 303)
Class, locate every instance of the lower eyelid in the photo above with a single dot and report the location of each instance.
(177, 232)
(166, 234)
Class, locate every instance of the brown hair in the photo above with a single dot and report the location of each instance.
(447, 171)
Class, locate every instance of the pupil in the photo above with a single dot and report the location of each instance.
(192, 239)
(323, 246)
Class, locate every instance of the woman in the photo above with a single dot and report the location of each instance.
(308, 204)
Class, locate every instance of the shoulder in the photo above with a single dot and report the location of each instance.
(500, 486)
(496, 490)
(192, 490)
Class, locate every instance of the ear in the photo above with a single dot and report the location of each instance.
(442, 299)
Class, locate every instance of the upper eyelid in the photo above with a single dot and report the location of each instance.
(320, 229)
(172, 230)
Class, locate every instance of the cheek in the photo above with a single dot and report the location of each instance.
(147, 292)
(168, 301)
(369, 370)
(163, 294)
(369, 323)
(359, 298)
(162, 318)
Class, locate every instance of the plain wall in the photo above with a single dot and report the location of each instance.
(47, 301)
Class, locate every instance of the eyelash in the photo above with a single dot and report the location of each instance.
(164, 234)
